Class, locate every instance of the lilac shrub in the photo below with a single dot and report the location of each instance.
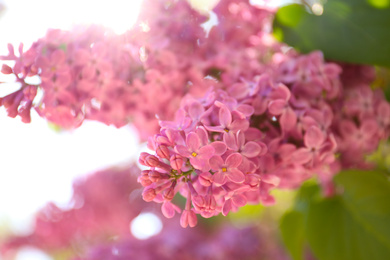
(239, 114)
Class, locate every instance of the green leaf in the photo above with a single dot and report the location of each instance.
(293, 233)
(354, 225)
(308, 192)
(355, 31)
(292, 223)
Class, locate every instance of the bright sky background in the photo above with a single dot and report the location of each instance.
(38, 164)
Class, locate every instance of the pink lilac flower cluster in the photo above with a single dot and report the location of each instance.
(102, 207)
(222, 243)
(256, 115)
(92, 73)
(275, 124)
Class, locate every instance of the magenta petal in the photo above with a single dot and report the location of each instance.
(230, 141)
(227, 207)
(196, 110)
(251, 149)
(225, 117)
(347, 128)
(168, 209)
(239, 124)
(288, 119)
(203, 136)
(216, 163)
(238, 90)
(198, 163)
(246, 110)
(198, 202)
(219, 147)
(215, 128)
(264, 148)
(314, 137)
(202, 164)
(236, 176)
(58, 57)
(206, 151)
(277, 107)
(192, 219)
(239, 200)
(240, 138)
(384, 109)
(219, 178)
(369, 127)
(184, 219)
(301, 156)
(193, 142)
(281, 92)
(234, 160)
(205, 178)
(182, 150)
(270, 179)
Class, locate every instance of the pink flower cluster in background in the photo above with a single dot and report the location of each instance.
(102, 207)
(97, 226)
(220, 243)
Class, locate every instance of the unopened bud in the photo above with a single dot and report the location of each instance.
(162, 151)
(149, 194)
(152, 161)
(154, 176)
(169, 194)
(5, 69)
(144, 180)
(176, 161)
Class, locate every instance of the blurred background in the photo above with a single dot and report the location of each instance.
(38, 161)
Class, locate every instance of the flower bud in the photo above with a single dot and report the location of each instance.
(149, 194)
(162, 151)
(152, 161)
(144, 180)
(169, 194)
(176, 162)
(5, 69)
(205, 178)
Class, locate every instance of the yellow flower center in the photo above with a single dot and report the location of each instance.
(194, 154)
(224, 169)
(226, 130)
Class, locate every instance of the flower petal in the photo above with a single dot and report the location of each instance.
(219, 178)
(225, 117)
(182, 150)
(206, 151)
(219, 147)
(216, 162)
(276, 107)
(193, 142)
(251, 149)
(301, 156)
(288, 119)
(233, 160)
(239, 200)
(227, 207)
(314, 137)
(236, 176)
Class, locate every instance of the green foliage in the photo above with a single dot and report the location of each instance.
(247, 214)
(293, 233)
(353, 225)
(355, 31)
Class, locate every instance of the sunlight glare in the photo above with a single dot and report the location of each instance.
(145, 225)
